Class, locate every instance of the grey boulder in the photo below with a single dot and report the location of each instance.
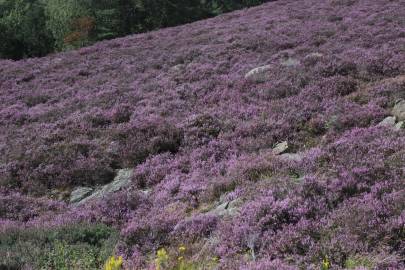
(399, 110)
(79, 194)
(229, 208)
(296, 157)
(400, 125)
(290, 62)
(388, 121)
(259, 74)
(280, 148)
(121, 181)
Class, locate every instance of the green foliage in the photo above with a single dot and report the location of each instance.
(60, 17)
(107, 23)
(221, 6)
(154, 14)
(358, 261)
(113, 263)
(37, 27)
(82, 246)
(22, 29)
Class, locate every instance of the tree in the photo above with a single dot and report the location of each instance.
(76, 23)
(63, 19)
(108, 17)
(23, 32)
(152, 14)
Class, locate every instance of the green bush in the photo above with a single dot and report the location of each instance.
(80, 246)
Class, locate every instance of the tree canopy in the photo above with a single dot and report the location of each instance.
(30, 28)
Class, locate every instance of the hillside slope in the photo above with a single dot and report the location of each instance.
(176, 106)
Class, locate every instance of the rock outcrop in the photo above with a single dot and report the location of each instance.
(259, 74)
(388, 121)
(79, 193)
(84, 194)
(399, 110)
(280, 148)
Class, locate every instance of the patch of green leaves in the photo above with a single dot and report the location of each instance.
(80, 246)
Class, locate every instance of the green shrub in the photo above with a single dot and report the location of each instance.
(358, 261)
(80, 246)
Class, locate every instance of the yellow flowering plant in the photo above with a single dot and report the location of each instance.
(182, 249)
(113, 263)
(164, 261)
(180, 258)
(161, 259)
(325, 263)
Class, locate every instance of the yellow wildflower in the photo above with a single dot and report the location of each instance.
(162, 254)
(161, 258)
(325, 263)
(113, 263)
(182, 249)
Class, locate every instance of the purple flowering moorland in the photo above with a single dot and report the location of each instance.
(294, 165)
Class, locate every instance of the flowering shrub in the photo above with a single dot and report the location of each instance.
(196, 227)
(175, 106)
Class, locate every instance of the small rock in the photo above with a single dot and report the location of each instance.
(314, 55)
(400, 125)
(292, 157)
(280, 148)
(79, 194)
(259, 74)
(388, 121)
(113, 147)
(313, 58)
(290, 62)
(229, 208)
(146, 192)
(399, 110)
(177, 69)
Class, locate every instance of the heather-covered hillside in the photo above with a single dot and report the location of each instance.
(268, 138)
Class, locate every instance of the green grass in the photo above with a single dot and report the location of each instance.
(80, 246)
